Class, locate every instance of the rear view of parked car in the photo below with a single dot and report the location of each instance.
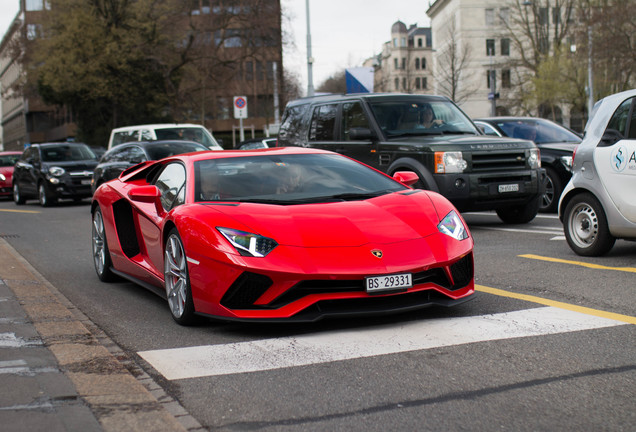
(163, 132)
(52, 171)
(7, 161)
(555, 142)
(598, 205)
(124, 156)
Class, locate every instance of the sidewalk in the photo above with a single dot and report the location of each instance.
(58, 372)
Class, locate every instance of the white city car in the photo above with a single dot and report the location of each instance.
(598, 205)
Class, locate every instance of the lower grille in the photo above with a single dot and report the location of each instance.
(245, 290)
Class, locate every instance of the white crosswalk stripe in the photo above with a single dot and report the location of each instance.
(268, 354)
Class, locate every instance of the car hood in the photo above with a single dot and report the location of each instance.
(7, 171)
(561, 146)
(469, 142)
(88, 165)
(390, 218)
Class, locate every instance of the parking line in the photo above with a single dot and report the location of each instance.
(557, 304)
(19, 211)
(579, 263)
(339, 345)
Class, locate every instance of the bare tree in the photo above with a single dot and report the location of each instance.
(451, 72)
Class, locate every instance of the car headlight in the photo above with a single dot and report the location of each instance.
(567, 162)
(56, 171)
(449, 162)
(2, 177)
(534, 158)
(453, 226)
(248, 244)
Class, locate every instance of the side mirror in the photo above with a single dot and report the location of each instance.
(358, 134)
(406, 177)
(610, 137)
(147, 194)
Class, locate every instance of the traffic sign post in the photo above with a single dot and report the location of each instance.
(240, 112)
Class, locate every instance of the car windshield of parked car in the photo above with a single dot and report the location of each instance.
(413, 116)
(65, 153)
(186, 133)
(8, 160)
(540, 132)
(289, 179)
(158, 151)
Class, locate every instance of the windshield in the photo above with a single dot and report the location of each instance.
(289, 179)
(197, 134)
(65, 153)
(420, 116)
(158, 151)
(8, 160)
(539, 131)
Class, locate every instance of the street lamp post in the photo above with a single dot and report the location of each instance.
(310, 60)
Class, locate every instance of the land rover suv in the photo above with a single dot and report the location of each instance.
(429, 135)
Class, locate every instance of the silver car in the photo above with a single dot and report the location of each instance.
(598, 205)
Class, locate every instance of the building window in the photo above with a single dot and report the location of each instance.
(488, 76)
(424, 83)
(504, 15)
(419, 42)
(259, 71)
(505, 78)
(490, 17)
(403, 42)
(403, 83)
(543, 16)
(37, 5)
(397, 84)
(418, 83)
(417, 63)
(423, 63)
(32, 31)
(249, 71)
(396, 64)
(395, 44)
(556, 15)
(404, 63)
(490, 47)
(505, 47)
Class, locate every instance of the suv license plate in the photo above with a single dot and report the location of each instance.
(509, 188)
(389, 282)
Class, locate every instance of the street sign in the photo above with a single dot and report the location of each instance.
(240, 107)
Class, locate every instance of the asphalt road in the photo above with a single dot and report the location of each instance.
(549, 342)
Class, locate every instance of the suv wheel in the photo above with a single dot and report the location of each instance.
(520, 214)
(46, 199)
(585, 226)
(17, 196)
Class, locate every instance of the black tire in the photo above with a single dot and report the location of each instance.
(101, 254)
(553, 190)
(585, 226)
(45, 197)
(177, 280)
(520, 214)
(18, 198)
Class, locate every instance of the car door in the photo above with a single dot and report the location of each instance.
(26, 171)
(355, 134)
(615, 159)
(322, 128)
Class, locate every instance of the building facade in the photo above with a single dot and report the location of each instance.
(239, 51)
(404, 65)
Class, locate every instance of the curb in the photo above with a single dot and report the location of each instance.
(121, 395)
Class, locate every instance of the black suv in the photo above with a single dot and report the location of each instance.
(429, 135)
(51, 171)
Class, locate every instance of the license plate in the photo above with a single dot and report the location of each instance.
(389, 282)
(86, 182)
(509, 188)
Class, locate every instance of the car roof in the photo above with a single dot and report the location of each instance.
(273, 151)
(157, 126)
(62, 143)
(367, 96)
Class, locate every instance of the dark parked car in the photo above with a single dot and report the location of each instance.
(430, 136)
(124, 156)
(556, 143)
(53, 171)
(7, 161)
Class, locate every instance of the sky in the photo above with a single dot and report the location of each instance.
(343, 32)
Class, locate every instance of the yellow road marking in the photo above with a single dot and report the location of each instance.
(579, 263)
(589, 311)
(19, 211)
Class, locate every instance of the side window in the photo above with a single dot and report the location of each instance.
(146, 135)
(171, 184)
(136, 155)
(291, 126)
(487, 129)
(353, 117)
(125, 136)
(619, 120)
(631, 134)
(323, 122)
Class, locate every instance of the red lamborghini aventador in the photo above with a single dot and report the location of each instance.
(280, 234)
